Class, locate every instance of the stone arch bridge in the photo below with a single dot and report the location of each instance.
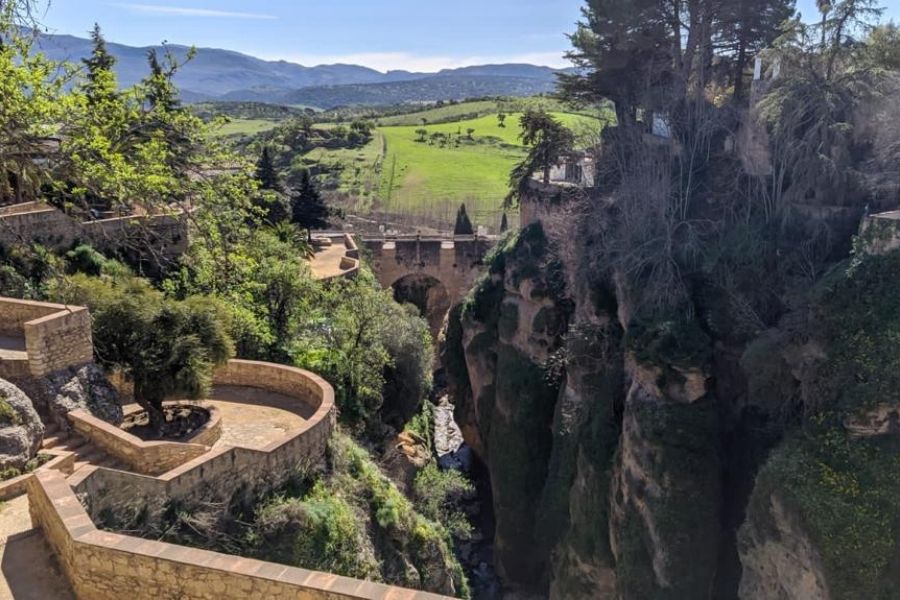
(431, 272)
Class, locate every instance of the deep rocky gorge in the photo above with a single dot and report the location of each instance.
(666, 459)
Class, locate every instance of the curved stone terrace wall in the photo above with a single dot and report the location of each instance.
(101, 565)
(306, 389)
(108, 566)
(217, 473)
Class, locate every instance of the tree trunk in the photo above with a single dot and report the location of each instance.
(739, 66)
(153, 405)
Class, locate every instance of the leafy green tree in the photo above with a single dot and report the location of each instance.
(501, 119)
(422, 133)
(167, 348)
(31, 107)
(469, 132)
(308, 208)
(463, 224)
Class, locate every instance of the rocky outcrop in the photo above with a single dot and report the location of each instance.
(21, 430)
(779, 560)
(666, 488)
(504, 348)
(85, 387)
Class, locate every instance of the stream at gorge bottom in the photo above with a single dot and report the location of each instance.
(476, 554)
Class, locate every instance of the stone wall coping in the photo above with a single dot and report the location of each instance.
(64, 310)
(50, 308)
(50, 493)
(127, 447)
(62, 461)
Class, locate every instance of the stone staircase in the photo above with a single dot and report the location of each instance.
(86, 453)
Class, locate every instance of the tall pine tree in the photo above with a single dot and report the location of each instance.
(101, 84)
(308, 209)
(266, 174)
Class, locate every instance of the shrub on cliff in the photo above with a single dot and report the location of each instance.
(845, 494)
(355, 522)
(359, 339)
(858, 323)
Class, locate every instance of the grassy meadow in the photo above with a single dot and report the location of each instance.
(242, 127)
(398, 173)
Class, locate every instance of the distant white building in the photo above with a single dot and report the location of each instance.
(576, 169)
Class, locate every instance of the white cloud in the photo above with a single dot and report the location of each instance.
(177, 11)
(407, 61)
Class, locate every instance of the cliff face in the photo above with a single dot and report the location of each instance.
(598, 457)
(623, 454)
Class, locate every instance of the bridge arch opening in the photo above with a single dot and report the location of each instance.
(426, 293)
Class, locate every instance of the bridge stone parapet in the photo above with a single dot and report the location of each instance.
(454, 262)
(431, 272)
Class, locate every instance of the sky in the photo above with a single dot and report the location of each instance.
(416, 35)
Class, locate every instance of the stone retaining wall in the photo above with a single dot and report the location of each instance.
(109, 566)
(41, 223)
(56, 336)
(59, 341)
(166, 235)
(15, 313)
(221, 471)
(149, 458)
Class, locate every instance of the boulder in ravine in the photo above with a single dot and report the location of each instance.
(21, 430)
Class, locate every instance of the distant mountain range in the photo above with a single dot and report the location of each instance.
(216, 74)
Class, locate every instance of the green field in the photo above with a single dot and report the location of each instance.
(398, 174)
(473, 109)
(237, 127)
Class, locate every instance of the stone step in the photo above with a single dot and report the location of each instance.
(73, 443)
(80, 463)
(54, 440)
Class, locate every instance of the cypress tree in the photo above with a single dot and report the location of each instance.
(504, 224)
(463, 224)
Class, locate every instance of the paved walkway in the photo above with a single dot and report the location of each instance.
(326, 262)
(252, 418)
(27, 569)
